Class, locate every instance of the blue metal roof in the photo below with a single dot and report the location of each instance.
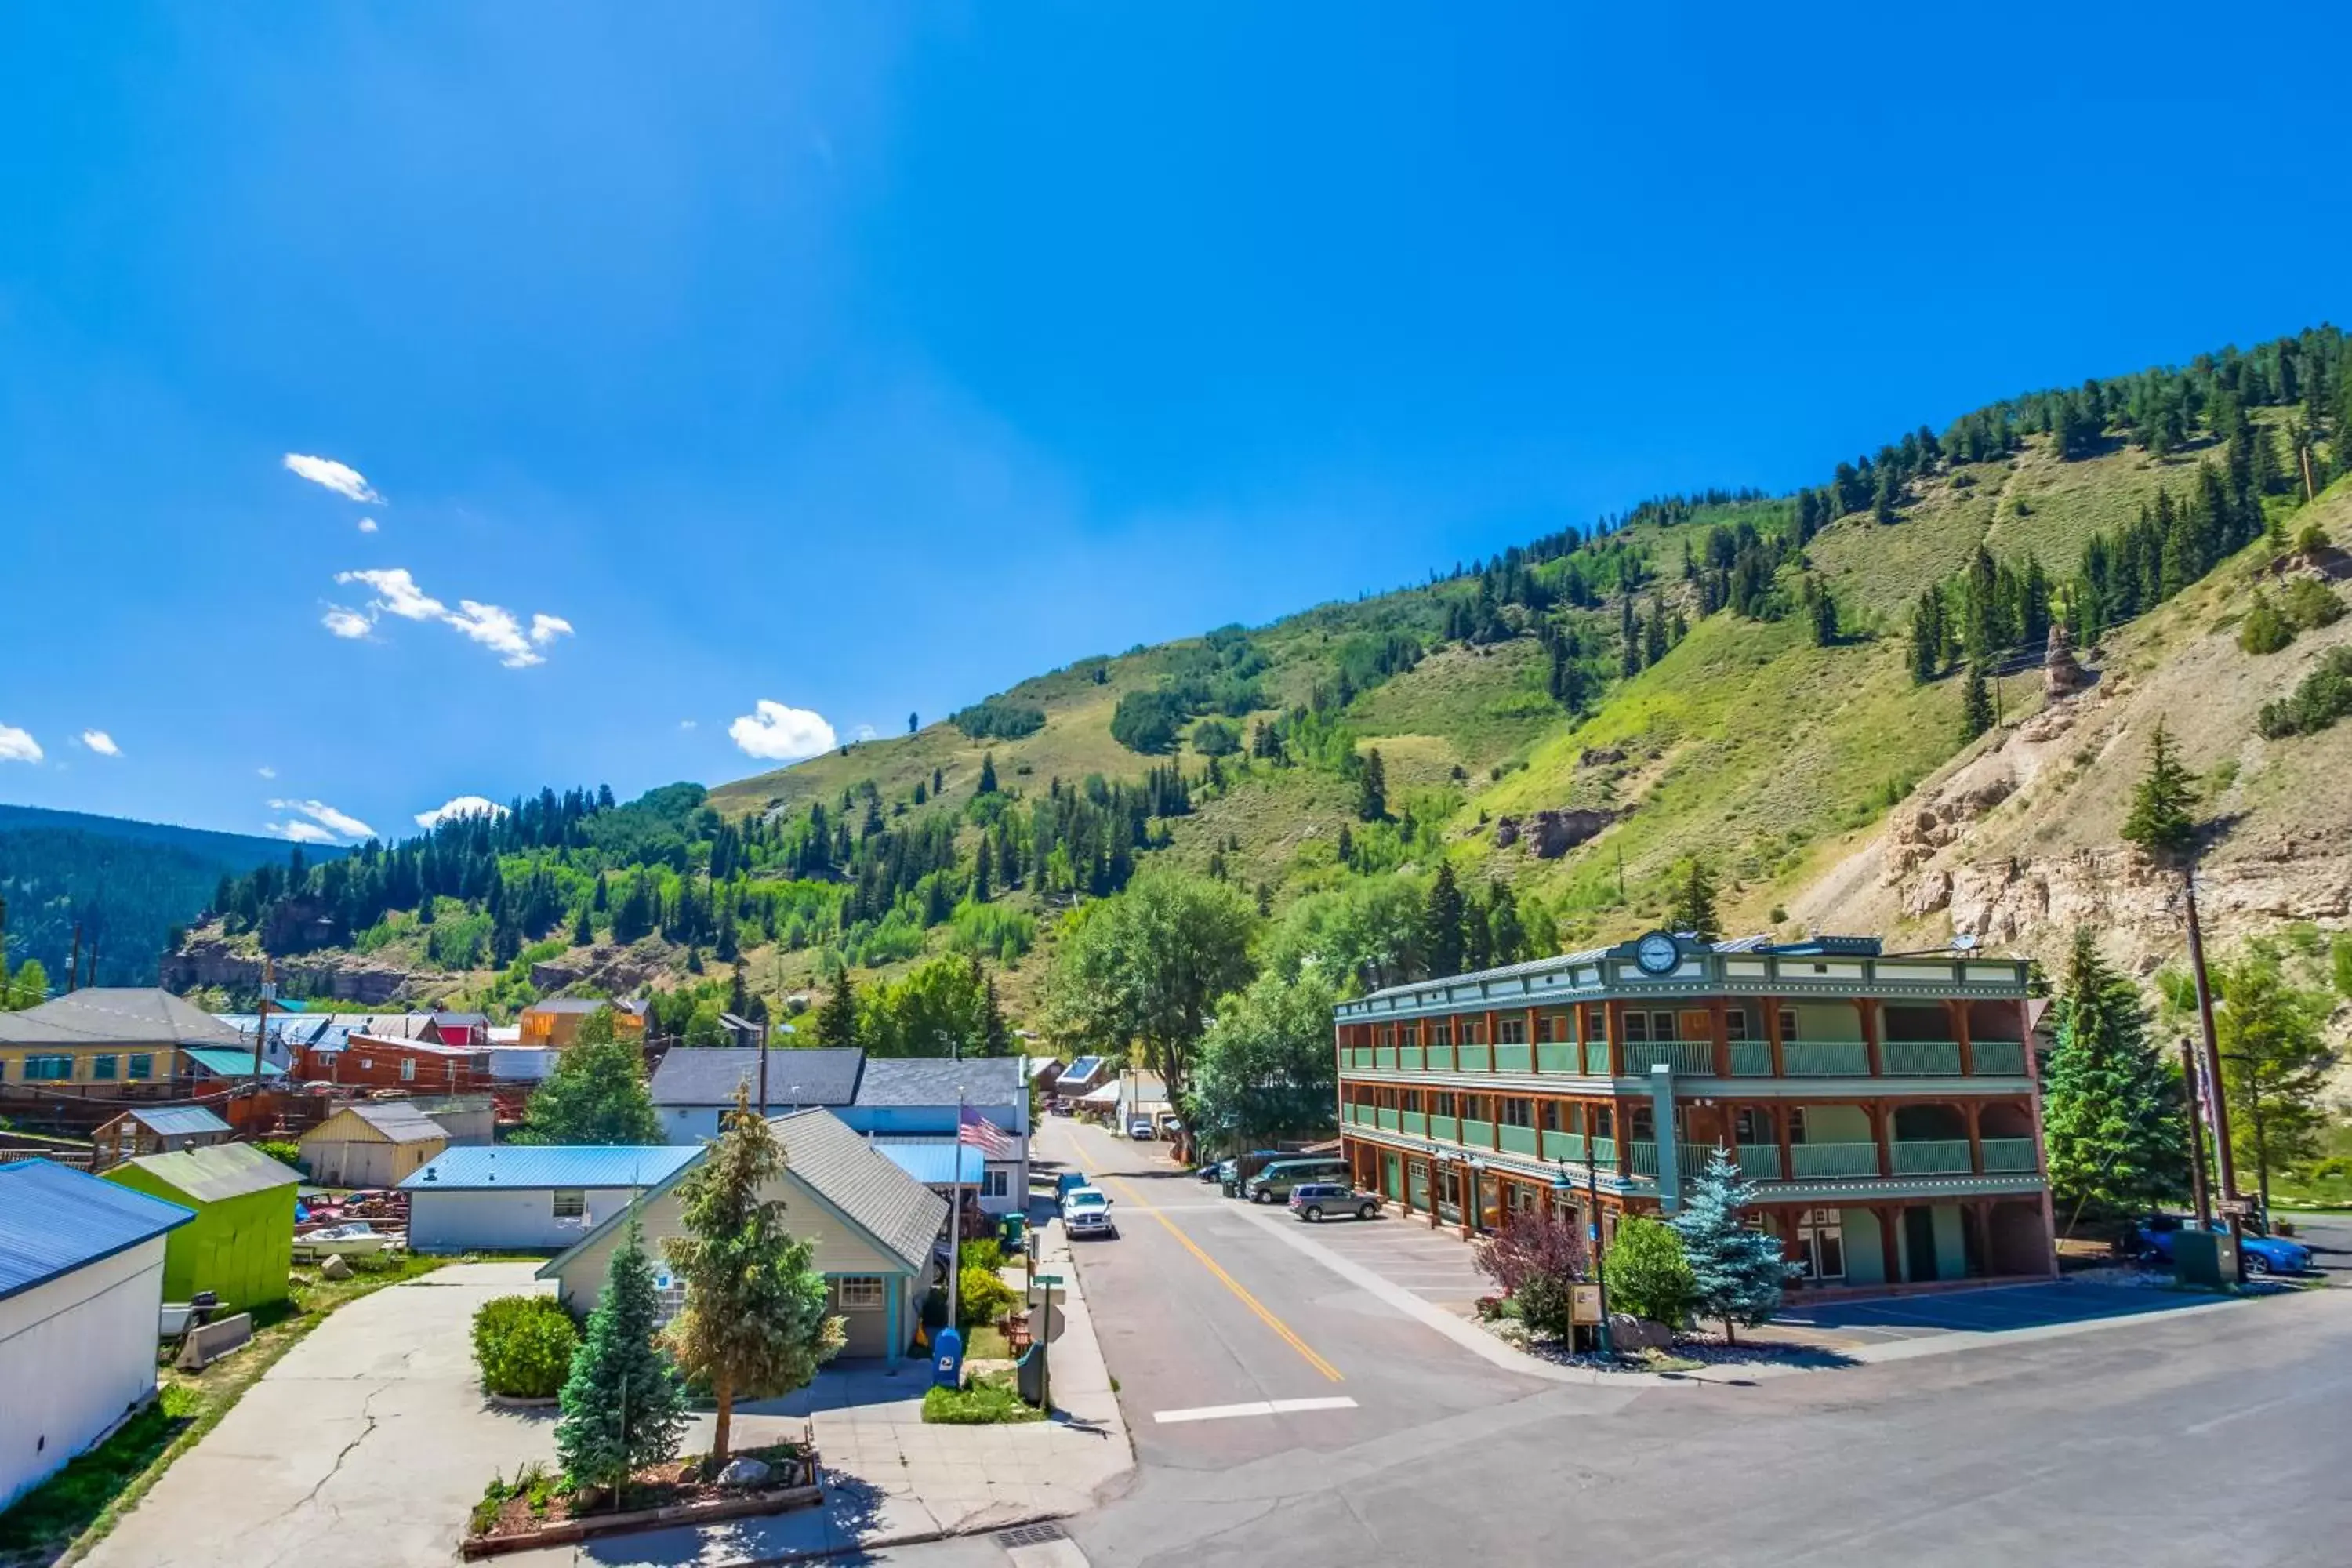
(932, 1161)
(229, 1062)
(516, 1166)
(54, 1220)
(176, 1121)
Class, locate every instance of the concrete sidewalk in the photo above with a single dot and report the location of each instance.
(890, 1478)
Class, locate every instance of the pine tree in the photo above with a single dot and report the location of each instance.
(1654, 636)
(1346, 845)
(1927, 638)
(1441, 923)
(2160, 821)
(1629, 637)
(995, 1037)
(583, 932)
(1694, 906)
(987, 774)
(1736, 1272)
(1373, 789)
(754, 1325)
(1823, 608)
(2112, 1117)
(1976, 705)
(621, 1408)
(836, 1021)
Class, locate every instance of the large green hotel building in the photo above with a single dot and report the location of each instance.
(1885, 1105)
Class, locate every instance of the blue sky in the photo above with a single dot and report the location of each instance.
(862, 359)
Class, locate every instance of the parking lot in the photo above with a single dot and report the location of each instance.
(1435, 1265)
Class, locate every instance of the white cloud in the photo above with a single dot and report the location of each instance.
(101, 742)
(397, 593)
(777, 733)
(299, 832)
(341, 477)
(463, 805)
(494, 626)
(686, 724)
(17, 746)
(863, 733)
(342, 825)
(367, 525)
(265, 771)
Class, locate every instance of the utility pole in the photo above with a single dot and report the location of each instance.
(2188, 1081)
(2225, 1165)
(73, 964)
(260, 1033)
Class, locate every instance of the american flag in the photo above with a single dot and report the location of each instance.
(979, 1133)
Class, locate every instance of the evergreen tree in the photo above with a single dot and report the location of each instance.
(836, 1021)
(1693, 905)
(621, 1408)
(995, 1037)
(1629, 637)
(1346, 845)
(1654, 636)
(754, 1325)
(1736, 1272)
(1927, 638)
(987, 774)
(2112, 1117)
(1822, 610)
(1976, 705)
(1373, 788)
(1441, 923)
(2276, 1063)
(2160, 821)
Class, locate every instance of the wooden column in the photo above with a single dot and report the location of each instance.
(1982, 1209)
(1976, 1137)
(1717, 1013)
(1772, 1006)
(1613, 1020)
(1453, 1035)
(1890, 1241)
(1780, 1127)
(1494, 1041)
(1882, 1129)
(1867, 1009)
(1959, 1015)
(1534, 1041)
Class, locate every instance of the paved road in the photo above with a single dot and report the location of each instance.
(2220, 1436)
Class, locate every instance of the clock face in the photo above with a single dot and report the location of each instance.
(1657, 953)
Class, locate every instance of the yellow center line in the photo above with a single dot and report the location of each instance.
(1230, 1283)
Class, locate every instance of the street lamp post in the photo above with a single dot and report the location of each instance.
(1592, 1241)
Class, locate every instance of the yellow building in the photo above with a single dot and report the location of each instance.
(554, 1024)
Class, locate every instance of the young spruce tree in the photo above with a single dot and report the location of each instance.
(2112, 1117)
(1736, 1272)
(1693, 905)
(1976, 705)
(836, 1021)
(2160, 821)
(621, 1408)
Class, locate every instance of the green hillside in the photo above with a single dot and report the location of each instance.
(128, 884)
(1730, 677)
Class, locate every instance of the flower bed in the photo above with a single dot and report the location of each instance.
(534, 1510)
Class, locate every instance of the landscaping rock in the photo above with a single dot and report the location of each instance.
(745, 1472)
(1630, 1335)
(336, 1267)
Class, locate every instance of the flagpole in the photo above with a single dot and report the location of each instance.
(955, 1215)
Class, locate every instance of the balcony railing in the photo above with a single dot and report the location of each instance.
(1413, 1122)
(1825, 1059)
(1760, 1161)
(1920, 1059)
(1690, 1158)
(1388, 1120)
(1999, 1058)
(1520, 1140)
(1604, 1152)
(1510, 1058)
(2007, 1155)
(1693, 1059)
(1477, 1058)
(1477, 1135)
(1751, 1059)
(1931, 1157)
(1559, 1056)
(1596, 1059)
(1829, 1161)
(1563, 1146)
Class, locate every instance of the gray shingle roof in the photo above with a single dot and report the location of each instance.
(708, 1075)
(863, 1183)
(935, 1080)
(115, 1015)
(399, 1120)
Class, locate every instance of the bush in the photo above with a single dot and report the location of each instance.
(1147, 720)
(285, 1151)
(1215, 738)
(2320, 699)
(1535, 1257)
(982, 1402)
(523, 1345)
(1648, 1275)
(981, 1297)
(2311, 604)
(981, 1252)
(2264, 630)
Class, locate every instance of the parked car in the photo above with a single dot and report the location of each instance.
(1240, 1168)
(1140, 1127)
(1085, 1211)
(1272, 1184)
(2261, 1254)
(1066, 1183)
(1312, 1201)
(1168, 1123)
(1215, 1171)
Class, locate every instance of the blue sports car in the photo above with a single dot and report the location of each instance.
(2262, 1254)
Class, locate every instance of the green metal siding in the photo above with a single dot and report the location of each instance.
(239, 1248)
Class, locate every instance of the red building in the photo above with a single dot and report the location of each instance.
(424, 1065)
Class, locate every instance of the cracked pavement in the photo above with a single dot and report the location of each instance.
(367, 1442)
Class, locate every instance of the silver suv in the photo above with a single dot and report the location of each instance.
(1313, 1200)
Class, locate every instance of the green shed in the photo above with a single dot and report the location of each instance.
(241, 1243)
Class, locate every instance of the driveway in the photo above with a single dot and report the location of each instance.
(366, 1442)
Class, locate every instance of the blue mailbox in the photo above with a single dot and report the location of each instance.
(947, 1359)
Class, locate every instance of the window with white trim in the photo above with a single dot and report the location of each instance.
(409, 1070)
(861, 1292)
(567, 1203)
(995, 1182)
(1820, 1244)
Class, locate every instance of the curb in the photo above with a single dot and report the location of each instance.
(882, 1542)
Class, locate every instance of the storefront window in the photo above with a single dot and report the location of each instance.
(1820, 1244)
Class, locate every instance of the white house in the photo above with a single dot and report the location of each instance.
(695, 1085)
(516, 1198)
(870, 1225)
(82, 1297)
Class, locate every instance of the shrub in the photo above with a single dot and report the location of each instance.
(1215, 738)
(1535, 1257)
(523, 1345)
(1648, 1275)
(285, 1151)
(981, 1297)
(981, 1252)
(984, 1400)
(2310, 604)
(2264, 630)
(2320, 699)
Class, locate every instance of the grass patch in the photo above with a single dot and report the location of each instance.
(982, 1402)
(987, 1343)
(59, 1521)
